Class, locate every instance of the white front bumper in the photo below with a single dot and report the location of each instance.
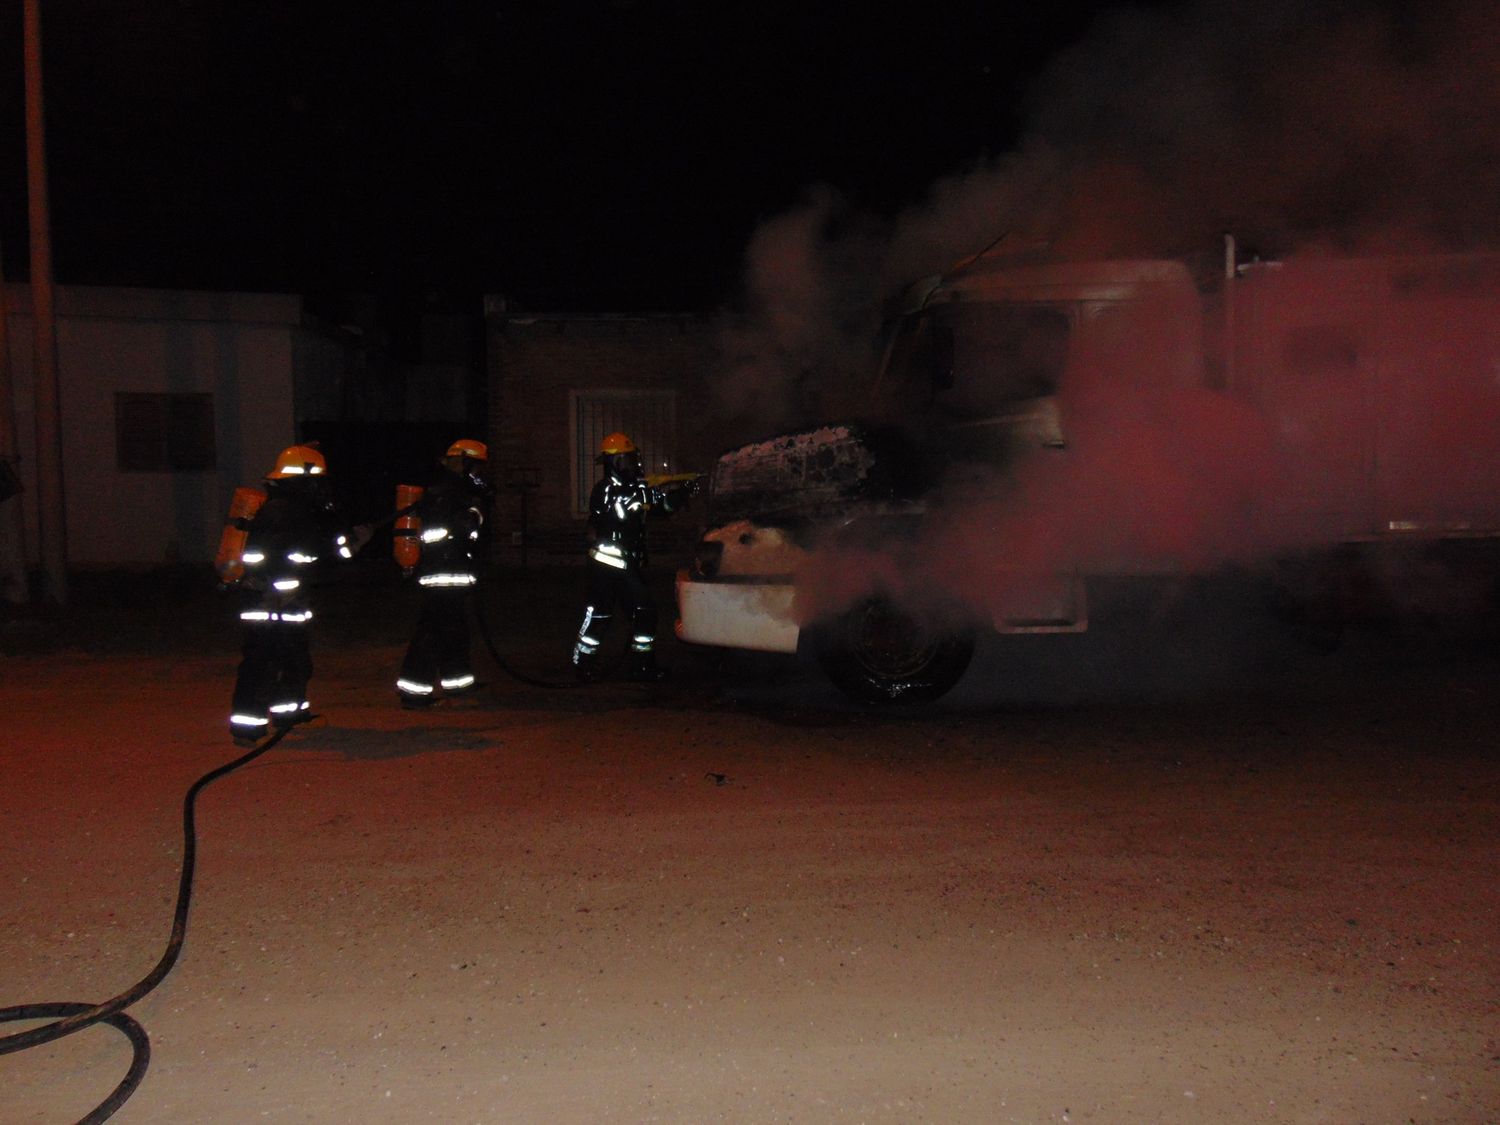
(749, 615)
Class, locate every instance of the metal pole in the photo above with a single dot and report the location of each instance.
(12, 519)
(1231, 329)
(51, 504)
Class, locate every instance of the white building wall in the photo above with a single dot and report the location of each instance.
(236, 347)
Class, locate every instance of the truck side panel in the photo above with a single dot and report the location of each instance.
(1380, 381)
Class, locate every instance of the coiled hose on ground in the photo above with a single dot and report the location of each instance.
(70, 1016)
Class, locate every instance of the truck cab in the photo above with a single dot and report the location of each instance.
(967, 393)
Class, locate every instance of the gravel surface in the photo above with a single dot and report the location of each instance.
(1235, 882)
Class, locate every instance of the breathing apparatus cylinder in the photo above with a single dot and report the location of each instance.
(406, 538)
(229, 562)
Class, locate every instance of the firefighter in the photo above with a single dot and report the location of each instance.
(290, 530)
(448, 522)
(618, 509)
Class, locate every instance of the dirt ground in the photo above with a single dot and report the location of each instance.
(1248, 883)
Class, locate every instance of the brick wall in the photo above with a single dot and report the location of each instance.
(534, 363)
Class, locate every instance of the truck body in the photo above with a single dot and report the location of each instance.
(1090, 421)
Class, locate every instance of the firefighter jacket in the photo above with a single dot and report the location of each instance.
(452, 519)
(618, 511)
(289, 534)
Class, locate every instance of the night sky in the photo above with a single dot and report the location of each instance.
(571, 154)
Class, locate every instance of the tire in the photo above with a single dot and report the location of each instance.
(879, 653)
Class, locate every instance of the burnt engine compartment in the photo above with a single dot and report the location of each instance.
(798, 480)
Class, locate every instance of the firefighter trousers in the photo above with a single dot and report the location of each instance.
(438, 656)
(609, 587)
(275, 667)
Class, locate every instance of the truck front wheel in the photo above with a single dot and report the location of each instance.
(878, 652)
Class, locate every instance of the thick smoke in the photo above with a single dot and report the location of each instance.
(1364, 126)
(802, 348)
(1373, 125)
(1307, 130)
(804, 344)
(1159, 475)
(1380, 409)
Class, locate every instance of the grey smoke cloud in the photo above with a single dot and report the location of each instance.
(1303, 128)
(1367, 126)
(1366, 402)
(1368, 123)
(805, 342)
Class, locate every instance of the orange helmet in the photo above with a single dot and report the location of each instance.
(470, 460)
(468, 447)
(297, 461)
(616, 443)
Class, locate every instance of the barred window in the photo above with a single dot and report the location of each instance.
(164, 433)
(648, 417)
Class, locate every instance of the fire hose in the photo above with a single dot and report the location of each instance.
(481, 620)
(70, 1016)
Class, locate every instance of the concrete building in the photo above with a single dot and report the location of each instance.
(168, 399)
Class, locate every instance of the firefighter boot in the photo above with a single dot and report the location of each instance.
(586, 667)
(643, 668)
(247, 730)
(288, 715)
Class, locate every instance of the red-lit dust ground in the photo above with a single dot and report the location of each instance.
(733, 898)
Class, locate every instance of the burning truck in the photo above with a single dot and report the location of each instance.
(1040, 434)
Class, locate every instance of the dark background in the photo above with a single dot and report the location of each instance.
(583, 154)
